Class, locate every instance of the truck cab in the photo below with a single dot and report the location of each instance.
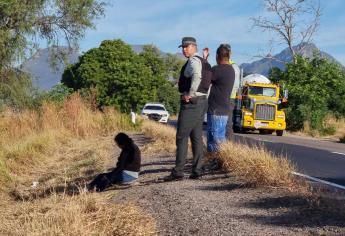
(259, 105)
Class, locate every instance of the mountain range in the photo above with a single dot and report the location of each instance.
(45, 76)
(264, 65)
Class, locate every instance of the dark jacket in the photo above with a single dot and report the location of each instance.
(223, 77)
(129, 159)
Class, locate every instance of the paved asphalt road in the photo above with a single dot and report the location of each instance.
(317, 158)
(320, 159)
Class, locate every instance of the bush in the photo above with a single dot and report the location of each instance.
(342, 139)
(57, 94)
(316, 89)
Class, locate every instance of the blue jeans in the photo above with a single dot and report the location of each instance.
(216, 129)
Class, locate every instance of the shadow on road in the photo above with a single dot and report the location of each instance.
(299, 211)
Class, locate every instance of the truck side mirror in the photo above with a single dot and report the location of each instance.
(286, 94)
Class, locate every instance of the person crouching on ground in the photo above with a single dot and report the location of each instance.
(127, 167)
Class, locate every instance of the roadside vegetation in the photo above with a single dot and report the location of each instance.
(316, 96)
(47, 156)
(125, 79)
(254, 165)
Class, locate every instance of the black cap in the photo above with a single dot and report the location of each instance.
(187, 40)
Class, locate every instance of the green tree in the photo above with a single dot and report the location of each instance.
(123, 78)
(120, 76)
(173, 65)
(23, 22)
(316, 88)
(162, 68)
(16, 91)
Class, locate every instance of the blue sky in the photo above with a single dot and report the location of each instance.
(163, 23)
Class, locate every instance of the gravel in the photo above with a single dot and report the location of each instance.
(218, 204)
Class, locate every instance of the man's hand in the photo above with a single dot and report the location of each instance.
(186, 98)
(205, 53)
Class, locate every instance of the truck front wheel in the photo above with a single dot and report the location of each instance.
(279, 132)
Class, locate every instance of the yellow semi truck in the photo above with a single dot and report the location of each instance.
(259, 105)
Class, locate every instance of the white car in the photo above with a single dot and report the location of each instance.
(155, 111)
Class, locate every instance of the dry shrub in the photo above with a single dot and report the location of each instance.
(256, 165)
(342, 139)
(337, 124)
(84, 214)
(163, 135)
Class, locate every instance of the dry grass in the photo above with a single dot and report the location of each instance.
(61, 148)
(29, 136)
(83, 214)
(257, 166)
(338, 124)
(163, 135)
(334, 129)
(74, 116)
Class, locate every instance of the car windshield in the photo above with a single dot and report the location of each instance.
(159, 108)
(260, 91)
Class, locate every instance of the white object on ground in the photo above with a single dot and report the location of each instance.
(34, 184)
(133, 117)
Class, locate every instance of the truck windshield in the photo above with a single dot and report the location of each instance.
(260, 91)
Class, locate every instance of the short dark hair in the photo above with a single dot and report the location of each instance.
(123, 139)
(223, 52)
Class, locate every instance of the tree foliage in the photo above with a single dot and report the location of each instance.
(24, 22)
(17, 91)
(316, 88)
(121, 77)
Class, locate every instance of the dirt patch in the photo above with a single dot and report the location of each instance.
(218, 204)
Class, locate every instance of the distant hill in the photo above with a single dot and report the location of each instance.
(264, 65)
(39, 66)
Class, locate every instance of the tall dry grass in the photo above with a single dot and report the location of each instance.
(74, 116)
(257, 166)
(28, 136)
(61, 147)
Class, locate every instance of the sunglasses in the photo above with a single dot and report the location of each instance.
(226, 45)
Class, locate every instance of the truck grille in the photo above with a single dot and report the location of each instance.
(265, 112)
